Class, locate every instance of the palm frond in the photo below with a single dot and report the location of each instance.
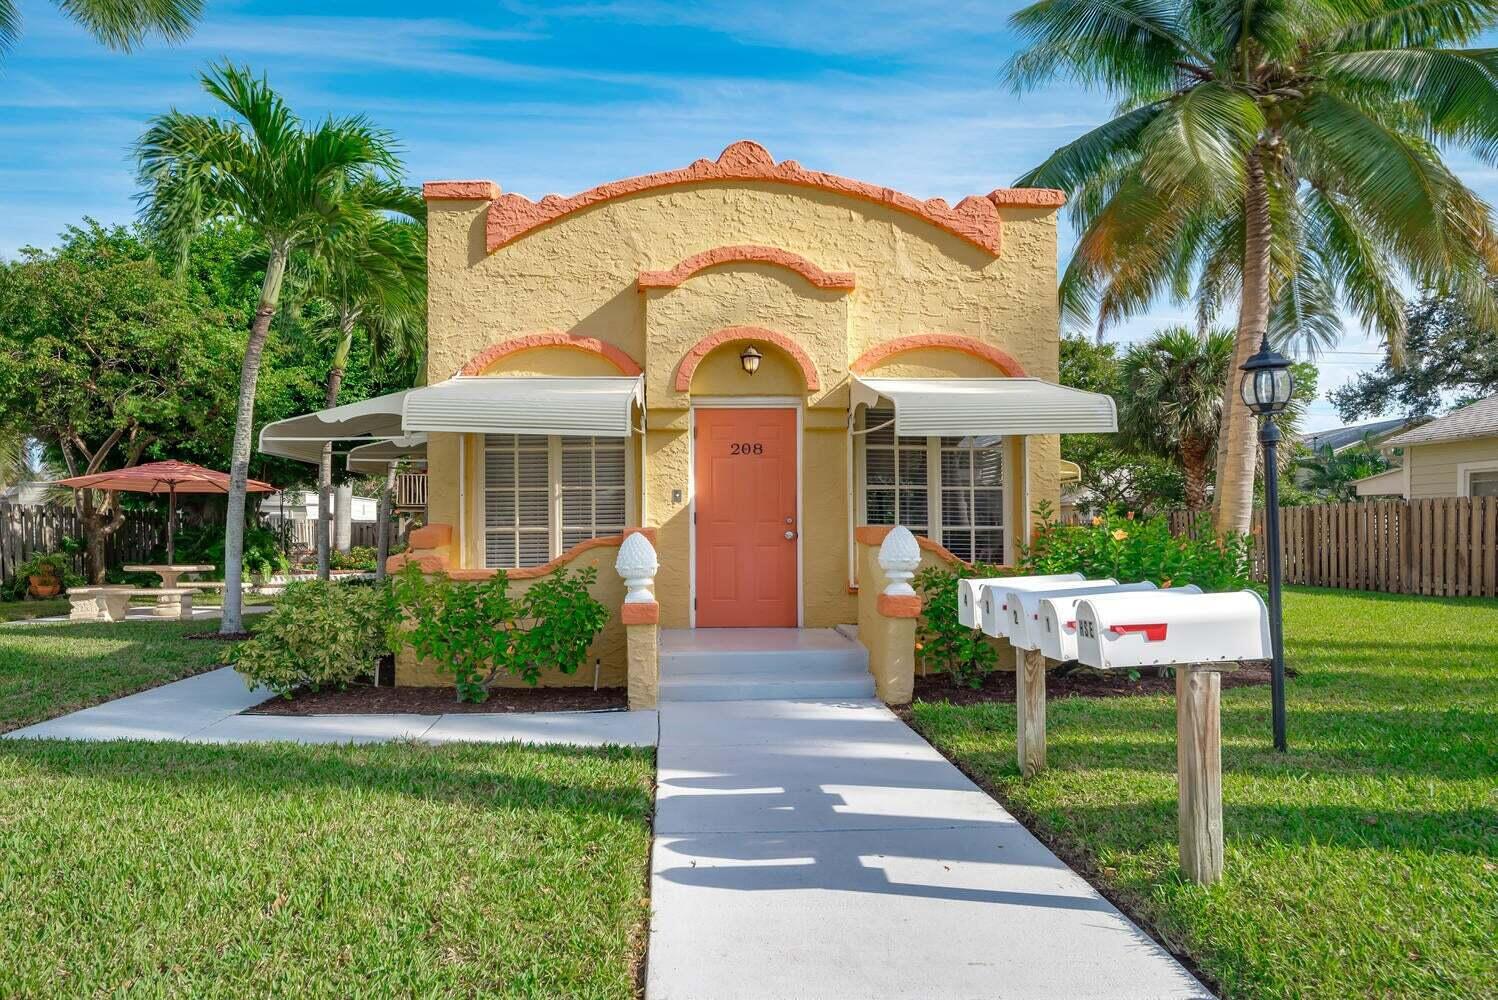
(10, 24)
(124, 24)
(1084, 158)
(1392, 24)
(1454, 91)
(1128, 45)
(1200, 140)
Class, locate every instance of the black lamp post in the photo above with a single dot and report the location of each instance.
(1267, 389)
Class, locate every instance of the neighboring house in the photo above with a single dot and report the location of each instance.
(29, 494)
(1341, 438)
(302, 505)
(1455, 455)
(760, 366)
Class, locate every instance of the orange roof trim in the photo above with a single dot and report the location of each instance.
(974, 219)
(880, 353)
(592, 345)
(728, 334)
(746, 254)
(460, 191)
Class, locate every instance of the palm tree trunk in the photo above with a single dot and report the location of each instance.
(1194, 466)
(325, 465)
(1236, 450)
(239, 459)
(387, 500)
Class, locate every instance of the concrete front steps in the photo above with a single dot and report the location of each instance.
(757, 664)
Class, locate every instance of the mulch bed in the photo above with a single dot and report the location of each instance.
(999, 685)
(362, 699)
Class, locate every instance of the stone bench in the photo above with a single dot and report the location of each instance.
(171, 602)
(99, 604)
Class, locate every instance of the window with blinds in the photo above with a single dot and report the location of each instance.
(543, 495)
(950, 489)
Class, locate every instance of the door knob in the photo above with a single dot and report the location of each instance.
(790, 536)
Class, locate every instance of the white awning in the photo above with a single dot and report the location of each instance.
(596, 407)
(957, 407)
(301, 438)
(377, 456)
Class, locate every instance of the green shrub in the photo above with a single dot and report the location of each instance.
(357, 557)
(263, 553)
(479, 631)
(1131, 549)
(319, 635)
(964, 654)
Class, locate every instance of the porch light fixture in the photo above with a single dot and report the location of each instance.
(1267, 389)
(750, 359)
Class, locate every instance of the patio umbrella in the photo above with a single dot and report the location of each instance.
(170, 478)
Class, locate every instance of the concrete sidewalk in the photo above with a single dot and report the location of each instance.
(822, 849)
(205, 709)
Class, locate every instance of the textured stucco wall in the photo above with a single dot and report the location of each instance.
(578, 275)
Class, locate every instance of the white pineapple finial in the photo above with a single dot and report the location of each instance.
(637, 564)
(899, 557)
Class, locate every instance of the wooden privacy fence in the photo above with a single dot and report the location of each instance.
(1440, 546)
(26, 531)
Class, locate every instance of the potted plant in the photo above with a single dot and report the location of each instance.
(44, 575)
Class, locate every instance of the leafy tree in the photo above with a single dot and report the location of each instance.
(109, 357)
(1114, 475)
(292, 185)
(1281, 154)
(371, 279)
(1171, 403)
(119, 24)
(1447, 353)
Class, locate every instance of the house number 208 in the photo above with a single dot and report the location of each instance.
(745, 448)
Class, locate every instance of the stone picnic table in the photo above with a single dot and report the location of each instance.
(169, 573)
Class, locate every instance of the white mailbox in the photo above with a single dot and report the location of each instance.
(1058, 617)
(993, 608)
(968, 592)
(1119, 631)
(1022, 608)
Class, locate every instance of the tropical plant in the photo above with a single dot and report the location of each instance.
(318, 635)
(370, 278)
(293, 185)
(1130, 549)
(119, 24)
(479, 631)
(1285, 155)
(1171, 403)
(1328, 476)
(52, 566)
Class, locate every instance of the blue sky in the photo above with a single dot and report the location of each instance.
(559, 97)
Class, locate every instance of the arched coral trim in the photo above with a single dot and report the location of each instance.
(707, 344)
(487, 357)
(880, 353)
(974, 219)
(746, 254)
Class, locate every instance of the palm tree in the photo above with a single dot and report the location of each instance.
(1285, 154)
(119, 24)
(1172, 400)
(372, 279)
(295, 186)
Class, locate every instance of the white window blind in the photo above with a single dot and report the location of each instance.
(950, 489)
(543, 495)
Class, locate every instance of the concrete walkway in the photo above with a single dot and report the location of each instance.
(822, 849)
(205, 709)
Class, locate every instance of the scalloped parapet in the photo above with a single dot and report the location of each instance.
(974, 219)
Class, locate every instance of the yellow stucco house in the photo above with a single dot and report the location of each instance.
(759, 366)
(1452, 456)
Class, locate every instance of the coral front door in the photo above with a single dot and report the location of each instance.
(744, 464)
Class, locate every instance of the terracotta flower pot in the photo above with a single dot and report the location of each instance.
(44, 586)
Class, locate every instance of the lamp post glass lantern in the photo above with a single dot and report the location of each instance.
(1267, 389)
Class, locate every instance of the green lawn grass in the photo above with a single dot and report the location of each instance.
(14, 611)
(47, 670)
(1363, 863)
(154, 869)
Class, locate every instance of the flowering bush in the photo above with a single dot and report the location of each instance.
(1130, 549)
